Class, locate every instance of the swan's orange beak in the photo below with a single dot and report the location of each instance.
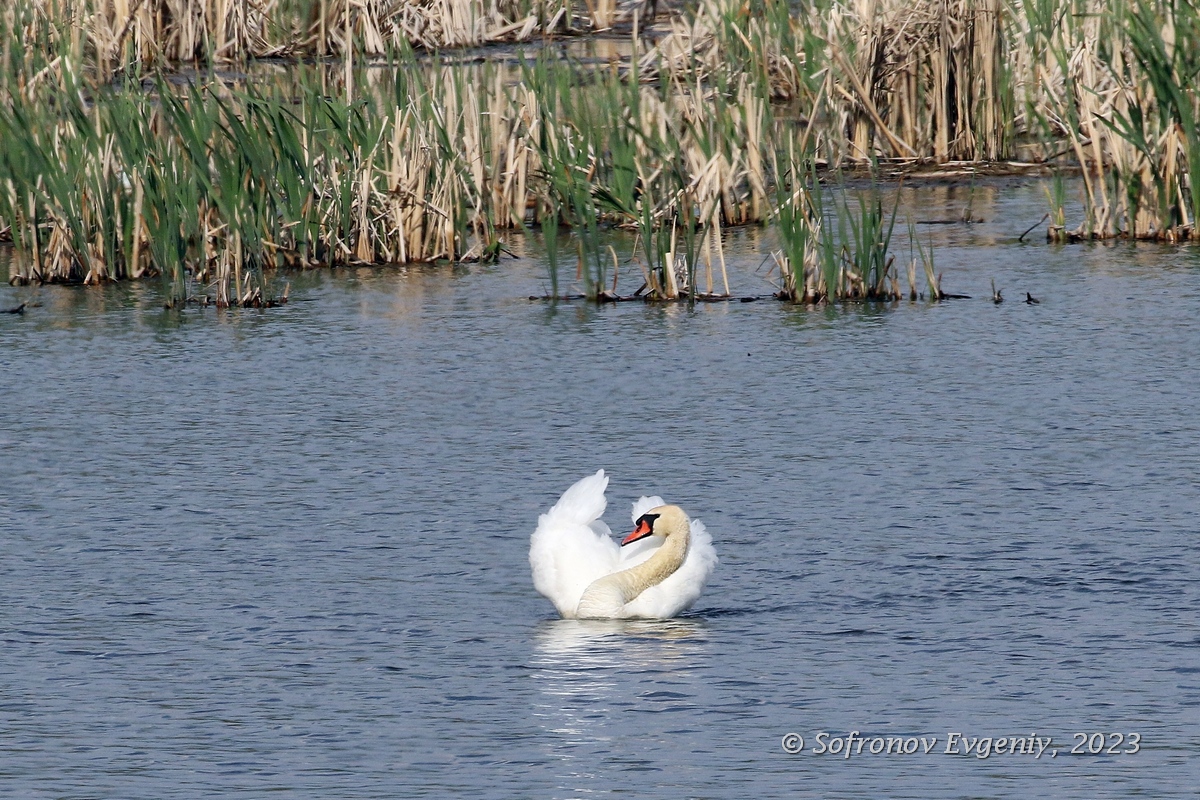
(640, 532)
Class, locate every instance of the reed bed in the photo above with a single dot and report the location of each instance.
(213, 184)
(1118, 83)
(216, 185)
(733, 114)
(1111, 85)
(139, 35)
(885, 79)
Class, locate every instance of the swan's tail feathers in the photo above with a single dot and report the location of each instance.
(584, 501)
(571, 546)
(644, 504)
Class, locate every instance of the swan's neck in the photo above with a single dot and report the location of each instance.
(608, 595)
(657, 568)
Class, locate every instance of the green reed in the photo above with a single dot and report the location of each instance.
(868, 238)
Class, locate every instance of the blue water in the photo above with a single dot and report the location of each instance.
(285, 552)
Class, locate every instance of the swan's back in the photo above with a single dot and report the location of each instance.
(571, 546)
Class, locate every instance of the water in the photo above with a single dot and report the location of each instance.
(285, 551)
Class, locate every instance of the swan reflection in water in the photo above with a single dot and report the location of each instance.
(594, 674)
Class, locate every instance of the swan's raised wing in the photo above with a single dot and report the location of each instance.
(644, 504)
(572, 547)
(683, 587)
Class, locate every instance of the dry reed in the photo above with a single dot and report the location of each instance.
(141, 35)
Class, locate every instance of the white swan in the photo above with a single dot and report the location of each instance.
(587, 575)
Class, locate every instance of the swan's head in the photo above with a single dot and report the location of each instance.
(660, 521)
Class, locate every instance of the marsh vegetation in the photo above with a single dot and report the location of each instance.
(141, 137)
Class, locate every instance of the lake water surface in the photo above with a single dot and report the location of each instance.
(285, 553)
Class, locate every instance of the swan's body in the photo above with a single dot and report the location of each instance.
(587, 575)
